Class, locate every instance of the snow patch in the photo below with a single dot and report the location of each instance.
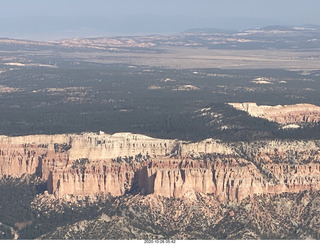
(186, 88)
(154, 88)
(261, 80)
(291, 126)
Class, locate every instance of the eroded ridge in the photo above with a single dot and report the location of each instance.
(286, 114)
(91, 164)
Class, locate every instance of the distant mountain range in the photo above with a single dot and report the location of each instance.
(268, 37)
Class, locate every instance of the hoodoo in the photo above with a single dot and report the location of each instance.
(90, 164)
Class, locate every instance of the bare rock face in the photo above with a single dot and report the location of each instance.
(30, 154)
(97, 179)
(287, 114)
(102, 146)
(229, 179)
(26, 154)
(20, 155)
(121, 163)
(204, 147)
(174, 178)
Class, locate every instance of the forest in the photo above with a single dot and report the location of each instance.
(77, 97)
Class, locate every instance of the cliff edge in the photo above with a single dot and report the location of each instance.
(90, 163)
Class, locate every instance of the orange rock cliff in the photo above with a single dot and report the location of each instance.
(90, 163)
(287, 114)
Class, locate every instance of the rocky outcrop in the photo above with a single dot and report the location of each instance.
(176, 178)
(19, 159)
(287, 114)
(26, 154)
(102, 146)
(114, 179)
(121, 163)
(207, 146)
(229, 179)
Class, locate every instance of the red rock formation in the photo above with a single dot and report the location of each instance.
(175, 178)
(263, 167)
(287, 114)
(228, 182)
(16, 160)
(115, 179)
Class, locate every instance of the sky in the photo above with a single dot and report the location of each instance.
(56, 19)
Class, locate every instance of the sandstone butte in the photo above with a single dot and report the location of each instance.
(89, 164)
(286, 114)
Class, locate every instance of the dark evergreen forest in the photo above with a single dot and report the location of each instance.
(77, 97)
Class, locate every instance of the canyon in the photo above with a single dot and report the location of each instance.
(210, 154)
(97, 163)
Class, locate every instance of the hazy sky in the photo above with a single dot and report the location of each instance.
(45, 19)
